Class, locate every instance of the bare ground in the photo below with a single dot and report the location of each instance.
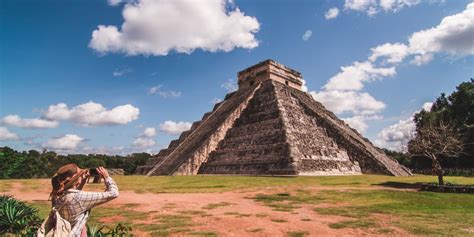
(240, 217)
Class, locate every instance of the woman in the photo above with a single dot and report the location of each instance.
(73, 204)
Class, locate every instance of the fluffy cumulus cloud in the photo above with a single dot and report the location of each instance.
(145, 139)
(331, 13)
(164, 93)
(174, 128)
(143, 142)
(149, 132)
(66, 142)
(6, 135)
(353, 77)
(348, 101)
(156, 27)
(454, 35)
(92, 114)
(396, 136)
(359, 122)
(307, 34)
(367, 6)
(396, 5)
(36, 123)
(393, 53)
(372, 7)
(343, 93)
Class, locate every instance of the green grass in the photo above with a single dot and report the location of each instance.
(165, 225)
(422, 213)
(359, 223)
(200, 184)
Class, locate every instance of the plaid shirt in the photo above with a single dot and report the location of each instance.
(75, 205)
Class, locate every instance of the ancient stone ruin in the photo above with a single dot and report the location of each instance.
(269, 126)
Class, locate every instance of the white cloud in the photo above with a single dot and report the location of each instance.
(331, 13)
(174, 128)
(352, 77)
(348, 101)
(367, 6)
(17, 121)
(396, 5)
(156, 27)
(422, 59)
(372, 7)
(396, 136)
(66, 142)
(114, 2)
(93, 114)
(164, 93)
(454, 35)
(395, 53)
(359, 122)
(427, 106)
(149, 132)
(230, 85)
(399, 132)
(307, 34)
(121, 72)
(6, 135)
(143, 142)
(216, 100)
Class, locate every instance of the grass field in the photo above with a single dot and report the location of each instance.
(354, 205)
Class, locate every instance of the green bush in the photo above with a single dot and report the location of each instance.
(119, 230)
(16, 217)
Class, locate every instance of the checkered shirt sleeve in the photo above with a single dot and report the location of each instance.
(88, 200)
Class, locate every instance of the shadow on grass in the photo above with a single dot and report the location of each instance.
(400, 185)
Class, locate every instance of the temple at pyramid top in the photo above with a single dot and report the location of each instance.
(269, 126)
(270, 69)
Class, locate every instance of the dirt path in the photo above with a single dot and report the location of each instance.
(238, 216)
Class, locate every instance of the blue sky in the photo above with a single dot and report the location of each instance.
(126, 76)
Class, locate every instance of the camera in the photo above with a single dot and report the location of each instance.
(93, 172)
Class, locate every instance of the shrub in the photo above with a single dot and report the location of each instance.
(16, 217)
(119, 230)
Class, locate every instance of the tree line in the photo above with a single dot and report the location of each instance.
(35, 164)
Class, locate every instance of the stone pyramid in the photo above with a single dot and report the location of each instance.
(269, 126)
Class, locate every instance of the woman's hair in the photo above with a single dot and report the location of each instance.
(65, 178)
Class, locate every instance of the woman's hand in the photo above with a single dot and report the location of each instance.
(103, 172)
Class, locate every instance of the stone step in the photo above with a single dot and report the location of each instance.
(262, 134)
(249, 169)
(256, 117)
(255, 150)
(256, 139)
(215, 160)
(242, 129)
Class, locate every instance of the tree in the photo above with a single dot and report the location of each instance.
(458, 110)
(435, 140)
